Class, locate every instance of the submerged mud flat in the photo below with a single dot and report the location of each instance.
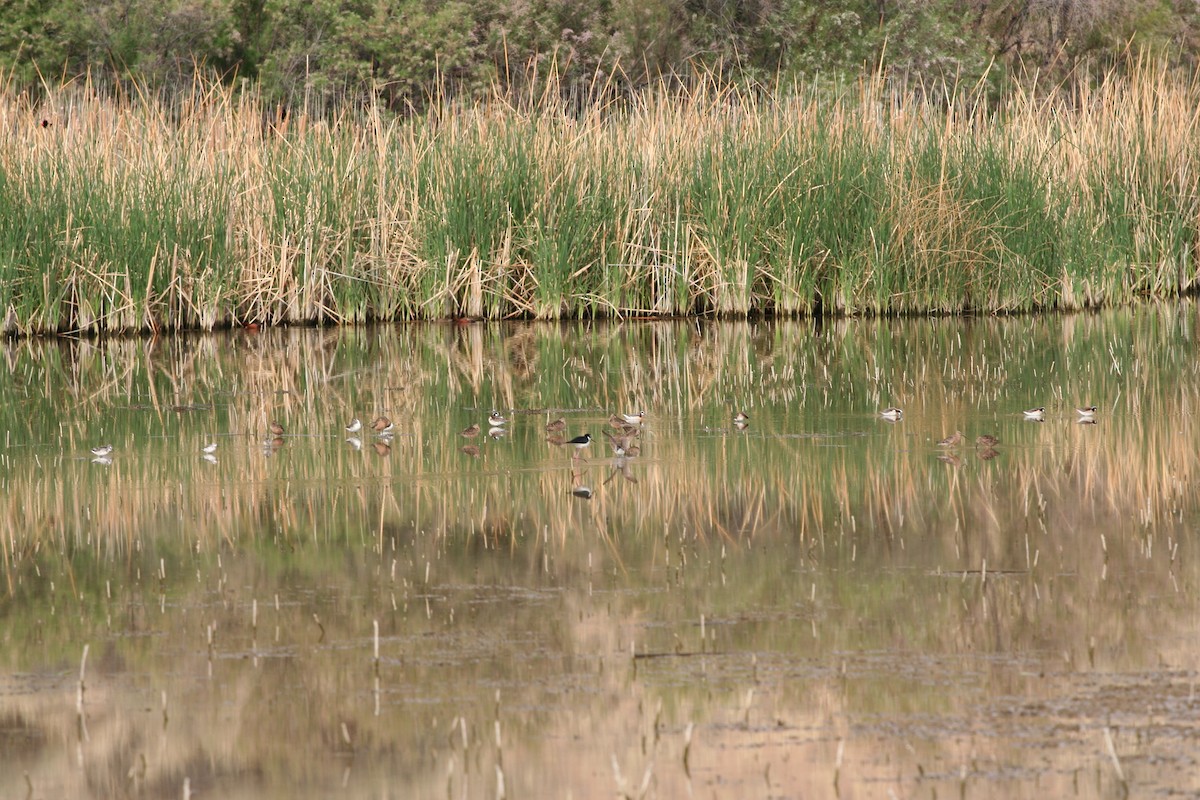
(817, 603)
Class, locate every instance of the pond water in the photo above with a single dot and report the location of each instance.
(818, 603)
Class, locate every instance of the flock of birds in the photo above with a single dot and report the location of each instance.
(987, 442)
(627, 429)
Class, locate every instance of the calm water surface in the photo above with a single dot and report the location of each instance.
(820, 604)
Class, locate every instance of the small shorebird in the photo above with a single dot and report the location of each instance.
(1087, 412)
(892, 414)
(382, 426)
(469, 432)
(1036, 414)
(275, 428)
(987, 441)
(953, 440)
(741, 418)
(632, 419)
(557, 426)
(580, 442)
(103, 451)
(621, 445)
(209, 448)
(496, 419)
(355, 426)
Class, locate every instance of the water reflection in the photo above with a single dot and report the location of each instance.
(824, 597)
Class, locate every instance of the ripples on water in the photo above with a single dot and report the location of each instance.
(825, 600)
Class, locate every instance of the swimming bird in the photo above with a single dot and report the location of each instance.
(496, 419)
(633, 419)
(1036, 414)
(892, 414)
(953, 440)
(355, 426)
(102, 451)
(469, 432)
(209, 448)
(557, 426)
(580, 442)
(275, 428)
(383, 426)
(987, 441)
(741, 418)
(1087, 412)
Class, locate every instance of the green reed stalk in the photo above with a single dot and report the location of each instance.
(209, 214)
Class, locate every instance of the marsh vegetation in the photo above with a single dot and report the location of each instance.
(206, 214)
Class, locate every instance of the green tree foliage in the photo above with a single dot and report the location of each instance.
(403, 52)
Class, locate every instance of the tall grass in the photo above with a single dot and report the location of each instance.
(134, 216)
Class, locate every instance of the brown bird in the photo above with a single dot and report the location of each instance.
(953, 440)
(382, 425)
(621, 445)
(558, 426)
(987, 440)
(275, 428)
(470, 432)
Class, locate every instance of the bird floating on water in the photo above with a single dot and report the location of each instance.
(892, 414)
(209, 448)
(1036, 414)
(496, 419)
(103, 451)
(355, 426)
(1087, 412)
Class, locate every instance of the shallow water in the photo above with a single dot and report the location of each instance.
(822, 603)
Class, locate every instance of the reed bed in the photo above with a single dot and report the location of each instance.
(134, 216)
